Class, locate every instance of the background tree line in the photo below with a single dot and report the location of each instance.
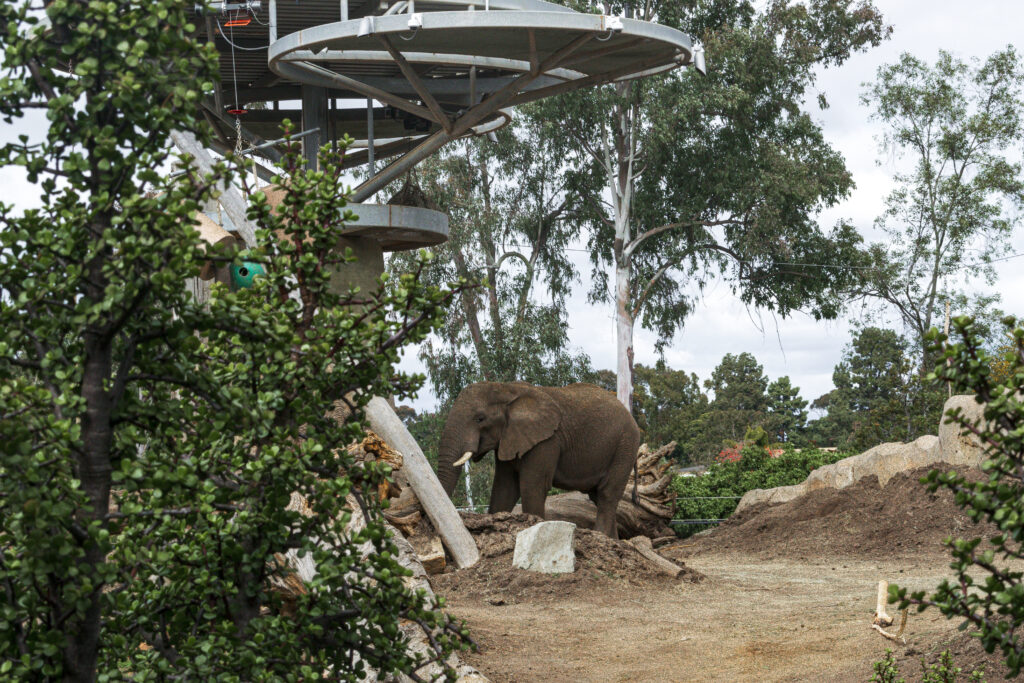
(662, 207)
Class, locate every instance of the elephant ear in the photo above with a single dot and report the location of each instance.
(532, 418)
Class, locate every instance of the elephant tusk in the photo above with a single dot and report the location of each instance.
(462, 461)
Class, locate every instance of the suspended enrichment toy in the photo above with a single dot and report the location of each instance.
(243, 275)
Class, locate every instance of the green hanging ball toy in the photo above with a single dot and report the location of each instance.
(243, 275)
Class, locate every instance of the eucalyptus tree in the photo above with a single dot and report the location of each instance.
(511, 222)
(150, 444)
(687, 178)
(955, 208)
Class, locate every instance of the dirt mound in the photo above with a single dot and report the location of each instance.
(601, 564)
(861, 520)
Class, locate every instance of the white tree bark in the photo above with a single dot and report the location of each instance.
(469, 487)
(619, 168)
(436, 503)
(623, 334)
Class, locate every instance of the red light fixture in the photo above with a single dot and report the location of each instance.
(237, 22)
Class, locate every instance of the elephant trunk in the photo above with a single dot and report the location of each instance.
(452, 452)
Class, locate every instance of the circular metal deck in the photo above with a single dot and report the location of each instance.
(443, 69)
(398, 228)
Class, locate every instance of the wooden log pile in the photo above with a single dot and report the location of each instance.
(405, 512)
(654, 492)
(650, 515)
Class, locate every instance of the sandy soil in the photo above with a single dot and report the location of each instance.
(779, 593)
(749, 620)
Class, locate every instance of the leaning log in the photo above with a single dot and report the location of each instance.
(432, 498)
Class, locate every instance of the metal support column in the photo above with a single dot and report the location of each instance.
(369, 136)
(314, 115)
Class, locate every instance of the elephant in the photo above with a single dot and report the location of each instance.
(578, 437)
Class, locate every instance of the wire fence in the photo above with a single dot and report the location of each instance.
(674, 522)
(701, 522)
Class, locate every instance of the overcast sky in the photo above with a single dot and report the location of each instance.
(799, 347)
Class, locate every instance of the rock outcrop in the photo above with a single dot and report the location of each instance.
(958, 446)
(953, 445)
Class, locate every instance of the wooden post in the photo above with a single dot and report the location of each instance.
(881, 618)
(439, 508)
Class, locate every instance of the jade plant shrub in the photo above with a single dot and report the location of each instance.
(714, 494)
(150, 444)
(944, 670)
(987, 589)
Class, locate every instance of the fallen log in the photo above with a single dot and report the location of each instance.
(577, 508)
(653, 481)
(643, 545)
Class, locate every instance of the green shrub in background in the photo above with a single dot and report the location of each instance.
(755, 469)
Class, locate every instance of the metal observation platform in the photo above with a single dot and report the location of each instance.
(439, 69)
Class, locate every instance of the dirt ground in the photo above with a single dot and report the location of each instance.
(773, 601)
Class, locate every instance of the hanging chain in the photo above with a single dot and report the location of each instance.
(238, 137)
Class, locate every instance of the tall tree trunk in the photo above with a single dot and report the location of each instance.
(469, 309)
(94, 471)
(623, 334)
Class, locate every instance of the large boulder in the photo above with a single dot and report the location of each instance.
(779, 494)
(883, 461)
(954, 446)
(546, 547)
(957, 445)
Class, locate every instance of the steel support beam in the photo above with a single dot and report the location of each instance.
(417, 83)
(314, 115)
(433, 143)
(328, 78)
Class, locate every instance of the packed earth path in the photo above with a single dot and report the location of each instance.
(748, 620)
(778, 593)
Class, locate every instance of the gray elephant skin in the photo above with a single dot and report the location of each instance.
(577, 437)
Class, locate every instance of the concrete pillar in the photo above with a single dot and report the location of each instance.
(361, 273)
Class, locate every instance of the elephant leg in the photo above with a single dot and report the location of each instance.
(505, 490)
(606, 514)
(609, 491)
(536, 474)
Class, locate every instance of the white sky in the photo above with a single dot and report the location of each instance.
(799, 347)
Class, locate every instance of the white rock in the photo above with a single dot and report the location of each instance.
(779, 494)
(959, 446)
(546, 547)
